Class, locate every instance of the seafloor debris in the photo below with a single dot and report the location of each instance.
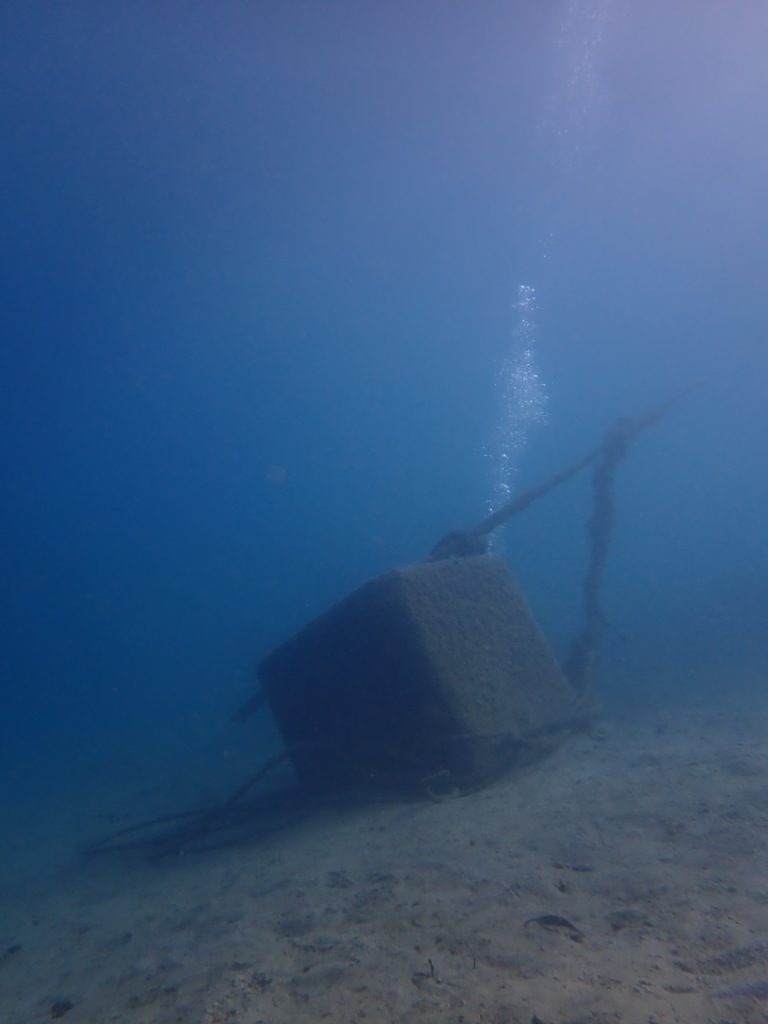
(60, 1007)
(556, 923)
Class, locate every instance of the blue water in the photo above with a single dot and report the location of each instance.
(260, 278)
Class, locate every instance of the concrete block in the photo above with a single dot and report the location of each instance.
(434, 674)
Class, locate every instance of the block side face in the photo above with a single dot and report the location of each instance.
(497, 671)
(355, 688)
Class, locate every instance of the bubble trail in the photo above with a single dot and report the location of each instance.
(523, 398)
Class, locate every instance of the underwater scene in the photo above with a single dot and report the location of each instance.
(384, 416)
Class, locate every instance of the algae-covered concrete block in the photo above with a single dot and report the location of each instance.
(436, 667)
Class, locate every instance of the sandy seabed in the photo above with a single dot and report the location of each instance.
(622, 879)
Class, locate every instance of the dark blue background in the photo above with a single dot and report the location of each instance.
(259, 263)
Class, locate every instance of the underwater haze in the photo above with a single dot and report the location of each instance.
(290, 290)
